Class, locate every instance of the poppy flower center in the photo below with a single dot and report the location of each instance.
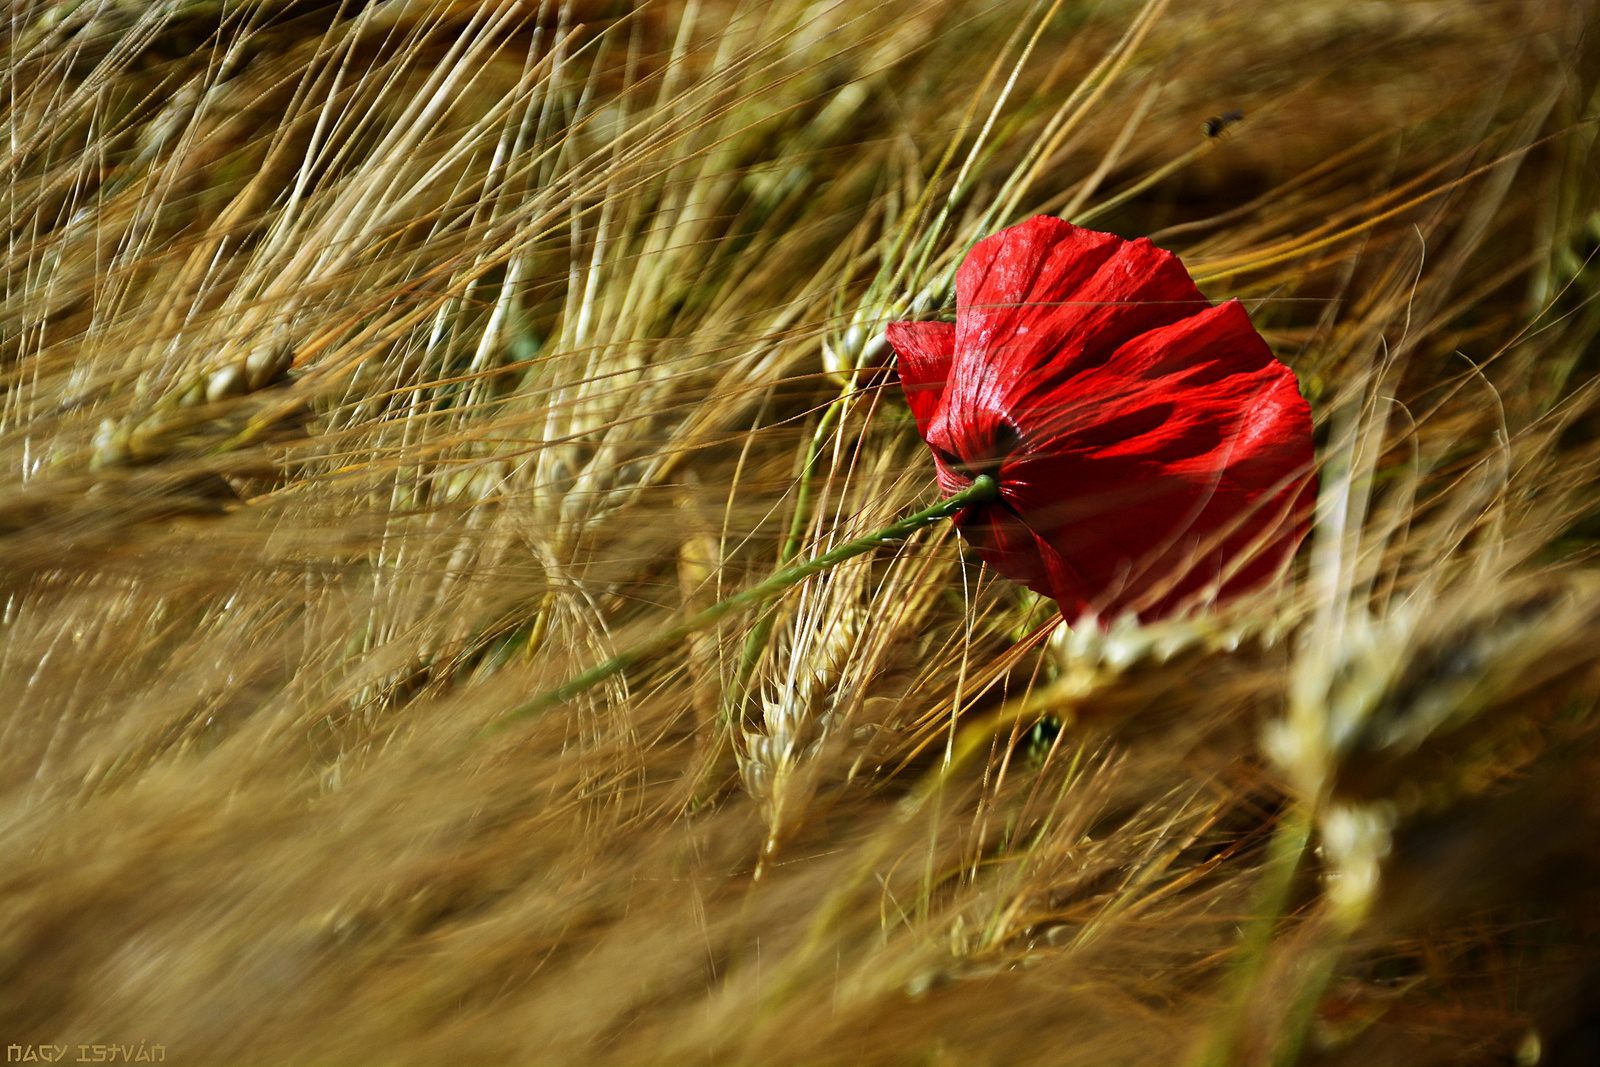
(986, 455)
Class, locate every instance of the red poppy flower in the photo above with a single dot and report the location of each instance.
(1149, 449)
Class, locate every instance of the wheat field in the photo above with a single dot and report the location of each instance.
(368, 369)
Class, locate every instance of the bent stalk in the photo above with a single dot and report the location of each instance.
(982, 488)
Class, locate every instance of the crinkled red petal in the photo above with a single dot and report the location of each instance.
(1003, 541)
(1042, 304)
(1186, 472)
(923, 352)
(1149, 448)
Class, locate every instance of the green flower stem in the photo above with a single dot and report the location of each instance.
(802, 505)
(756, 641)
(982, 488)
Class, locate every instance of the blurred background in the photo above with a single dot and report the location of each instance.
(368, 369)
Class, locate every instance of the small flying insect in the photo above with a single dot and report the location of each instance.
(1217, 123)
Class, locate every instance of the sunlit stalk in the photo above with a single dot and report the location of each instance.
(982, 488)
(756, 642)
(1284, 855)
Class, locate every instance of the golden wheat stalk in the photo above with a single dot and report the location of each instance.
(368, 368)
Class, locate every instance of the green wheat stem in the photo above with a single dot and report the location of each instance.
(982, 488)
(756, 641)
(1284, 854)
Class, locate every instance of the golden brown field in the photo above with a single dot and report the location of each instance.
(368, 369)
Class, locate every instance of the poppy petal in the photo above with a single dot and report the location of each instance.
(923, 352)
(1081, 296)
(1056, 297)
(1004, 542)
(1180, 382)
(1200, 443)
(1008, 276)
(1149, 448)
(1063, 584)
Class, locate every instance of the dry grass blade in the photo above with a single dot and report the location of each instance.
(369, 368)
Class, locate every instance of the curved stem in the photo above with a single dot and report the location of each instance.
(756, 641)
(982, 488)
